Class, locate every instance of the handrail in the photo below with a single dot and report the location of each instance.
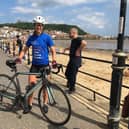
(91, 90)
(93, 59)
(89, 58)
(86, 73)
(94, 76)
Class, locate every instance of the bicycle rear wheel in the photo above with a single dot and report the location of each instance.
(8, 92)
(59, 108)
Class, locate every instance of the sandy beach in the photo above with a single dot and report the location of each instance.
(96, 68)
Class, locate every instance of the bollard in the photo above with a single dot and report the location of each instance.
(0, 45)
(9, 48)
(14, 48)
(28, 57)
(3, 46)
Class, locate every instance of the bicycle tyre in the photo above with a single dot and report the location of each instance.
(8, 87)
(52, 119)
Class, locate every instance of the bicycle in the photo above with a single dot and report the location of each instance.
(59, 108)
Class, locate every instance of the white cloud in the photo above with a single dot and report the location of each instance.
(34, 4)
(93, 19)
(52, 19)
(59, 2)
(116, 4)
(92, 15)
(90, 18)
(25, 10)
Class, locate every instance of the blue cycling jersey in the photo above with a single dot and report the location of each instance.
(40, 48)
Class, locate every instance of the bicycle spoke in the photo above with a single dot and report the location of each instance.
(59, 109)
(8, 92)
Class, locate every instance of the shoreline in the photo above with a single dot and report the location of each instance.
(107, 45)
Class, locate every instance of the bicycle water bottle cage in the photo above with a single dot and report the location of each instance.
(11, 64)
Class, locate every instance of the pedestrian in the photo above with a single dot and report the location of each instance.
(75, 49)
(14, 48)
(41, 43)
(19, 44)
(8, 48)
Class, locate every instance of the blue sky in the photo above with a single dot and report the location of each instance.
(94, 16)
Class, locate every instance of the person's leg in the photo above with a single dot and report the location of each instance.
(19, 50)
(67, 74)
(45, 93)
(32, 82)
(72, 80)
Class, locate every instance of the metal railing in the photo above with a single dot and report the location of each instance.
(13, 52)
(94, 76)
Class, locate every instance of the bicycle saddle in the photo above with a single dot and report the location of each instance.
(11, 63)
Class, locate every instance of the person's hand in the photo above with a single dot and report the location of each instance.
(54, 64)
(63, 50)
(18, 61)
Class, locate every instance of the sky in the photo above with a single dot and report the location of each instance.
(93, 16)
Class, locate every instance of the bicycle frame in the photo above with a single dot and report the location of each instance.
(41, 82)
(15, 76)
(36, 86)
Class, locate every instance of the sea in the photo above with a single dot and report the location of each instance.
(96, 44)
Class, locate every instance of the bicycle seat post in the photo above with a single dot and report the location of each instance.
(43, 73)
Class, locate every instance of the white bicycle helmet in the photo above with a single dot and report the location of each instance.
(39, 19)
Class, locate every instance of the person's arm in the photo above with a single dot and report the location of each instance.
(23, 52)
(66, 49)
(82, 45)
(53, 51)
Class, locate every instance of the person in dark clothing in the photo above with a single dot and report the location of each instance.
(19, 43)
(77, 44)
(8, 48)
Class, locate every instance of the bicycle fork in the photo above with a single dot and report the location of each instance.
(51, 97)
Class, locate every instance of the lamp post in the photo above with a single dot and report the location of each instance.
(118, 66)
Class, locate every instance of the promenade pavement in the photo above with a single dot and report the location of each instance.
(82, 116)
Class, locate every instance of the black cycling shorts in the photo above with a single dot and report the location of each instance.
(38, 68)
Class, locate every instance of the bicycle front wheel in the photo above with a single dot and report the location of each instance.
(8, 92)
(58, 105)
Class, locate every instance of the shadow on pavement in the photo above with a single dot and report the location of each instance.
(56, 127)
(85, 118)
(74, 114)
(38, 116)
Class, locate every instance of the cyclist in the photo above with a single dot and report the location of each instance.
(41, 43)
